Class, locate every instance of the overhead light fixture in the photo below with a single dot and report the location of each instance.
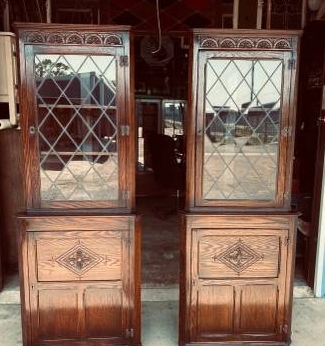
(314, 5)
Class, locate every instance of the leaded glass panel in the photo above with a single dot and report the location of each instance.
(77, 127)
(242, 122)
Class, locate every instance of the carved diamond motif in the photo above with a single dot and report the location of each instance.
(238, 257)
(79, 259)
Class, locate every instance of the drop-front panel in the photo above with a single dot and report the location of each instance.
(237, 281)
(80, 280)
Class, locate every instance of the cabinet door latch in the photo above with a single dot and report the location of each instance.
(284, 329)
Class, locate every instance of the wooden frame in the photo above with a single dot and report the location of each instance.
(243, 43)
(74, 39)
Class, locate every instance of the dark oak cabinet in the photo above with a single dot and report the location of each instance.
(237, 272)
(79, 276)
(80, 243)
(238, 233)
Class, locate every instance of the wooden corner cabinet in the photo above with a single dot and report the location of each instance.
(80, 243)
(238, 232)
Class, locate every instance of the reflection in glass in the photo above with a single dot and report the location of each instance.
(242, 115)
(77, 127)
(173, 117)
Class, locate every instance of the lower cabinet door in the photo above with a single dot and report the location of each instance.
(237, 279)
(81, 281)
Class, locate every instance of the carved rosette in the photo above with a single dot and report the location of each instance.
(73, 38)
(246, 43)
(238, 257)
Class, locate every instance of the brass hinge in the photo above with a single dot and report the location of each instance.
(125, 195)
(286, 131)
(286, 195)
(287, 241)
(125, 130)
(129, 333)
(124, 60)
(128, 240)
(292, 64)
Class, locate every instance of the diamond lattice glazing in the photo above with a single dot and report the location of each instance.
(77, 127)
(242, 116)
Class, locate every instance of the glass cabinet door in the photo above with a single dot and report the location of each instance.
(79, 127)
(242, 113)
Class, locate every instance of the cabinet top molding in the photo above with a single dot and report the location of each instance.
(247, 39)
(98, 35)
(264, 43)
(72, 38)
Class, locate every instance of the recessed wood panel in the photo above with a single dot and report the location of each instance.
(66, 258)
(215, 310)
(58, 314)
(238, 256)
(258, 309)
(103, 312)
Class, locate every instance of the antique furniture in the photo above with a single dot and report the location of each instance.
(238, 232)
(79, 247)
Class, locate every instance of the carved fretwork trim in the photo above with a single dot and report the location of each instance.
(264, 43)
(73, 38)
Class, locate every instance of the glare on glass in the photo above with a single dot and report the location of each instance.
(78, 137)
(242, 121)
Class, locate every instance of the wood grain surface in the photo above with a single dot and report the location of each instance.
(264, 248)
(237, 279)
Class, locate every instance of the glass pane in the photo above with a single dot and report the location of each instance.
(173, 118)
(77, 125)
(148, 115)
(242, 118)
